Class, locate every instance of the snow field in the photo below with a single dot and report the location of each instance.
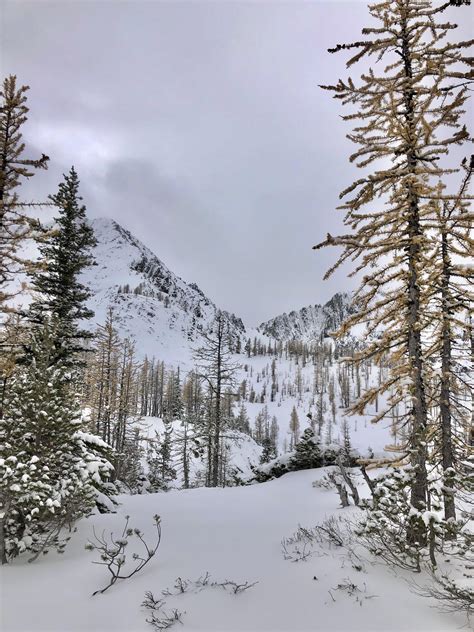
(233, 533)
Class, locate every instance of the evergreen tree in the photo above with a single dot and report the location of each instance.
(64, 256)
(274, 431)
(268, 452)
(160, 470)
(347, 452)
(167, 472)
(128, 467)
(51, 470)
(262, 426)
(173, 402)
(153, 462)
(308, 452)
(242, 422)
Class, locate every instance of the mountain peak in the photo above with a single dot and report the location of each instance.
(163, 314)
(309, 323)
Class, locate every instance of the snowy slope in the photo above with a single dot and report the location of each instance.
(234, 534)
(309, 323)
(366, 438)
(162, 313)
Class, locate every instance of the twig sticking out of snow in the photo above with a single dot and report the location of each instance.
(449, 595)
(159, 618)
(352, 590)
(112, 552)
(186, 585)
(336, 533)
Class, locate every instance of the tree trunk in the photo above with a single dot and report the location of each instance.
(445, 390)
(417, 531)
(3, 549)
(217, 411)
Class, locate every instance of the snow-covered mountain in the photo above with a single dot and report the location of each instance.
(309, 323)
(162, 313)
(165, 315)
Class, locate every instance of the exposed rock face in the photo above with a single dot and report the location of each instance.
(309, 323)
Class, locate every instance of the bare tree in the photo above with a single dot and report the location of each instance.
(217, 370)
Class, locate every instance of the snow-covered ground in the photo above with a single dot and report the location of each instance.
(233, 533)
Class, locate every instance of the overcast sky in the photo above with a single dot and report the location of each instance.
(200, 127)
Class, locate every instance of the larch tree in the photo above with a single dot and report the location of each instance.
(408, 117)
(451, 282)
(16, 224)
(217, 370)
(102, 377)
(188, 437)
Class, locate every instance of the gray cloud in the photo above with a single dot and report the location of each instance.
(200, 127)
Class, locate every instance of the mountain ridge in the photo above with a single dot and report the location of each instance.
(310, 323)
(167, 316)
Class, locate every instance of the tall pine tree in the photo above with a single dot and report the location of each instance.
(64, 256)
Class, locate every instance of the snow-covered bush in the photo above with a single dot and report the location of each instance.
(309, 454)
(390, 513)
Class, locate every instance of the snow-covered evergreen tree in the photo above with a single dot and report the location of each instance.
(159, 459)
(52, 471)
(307, 452)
